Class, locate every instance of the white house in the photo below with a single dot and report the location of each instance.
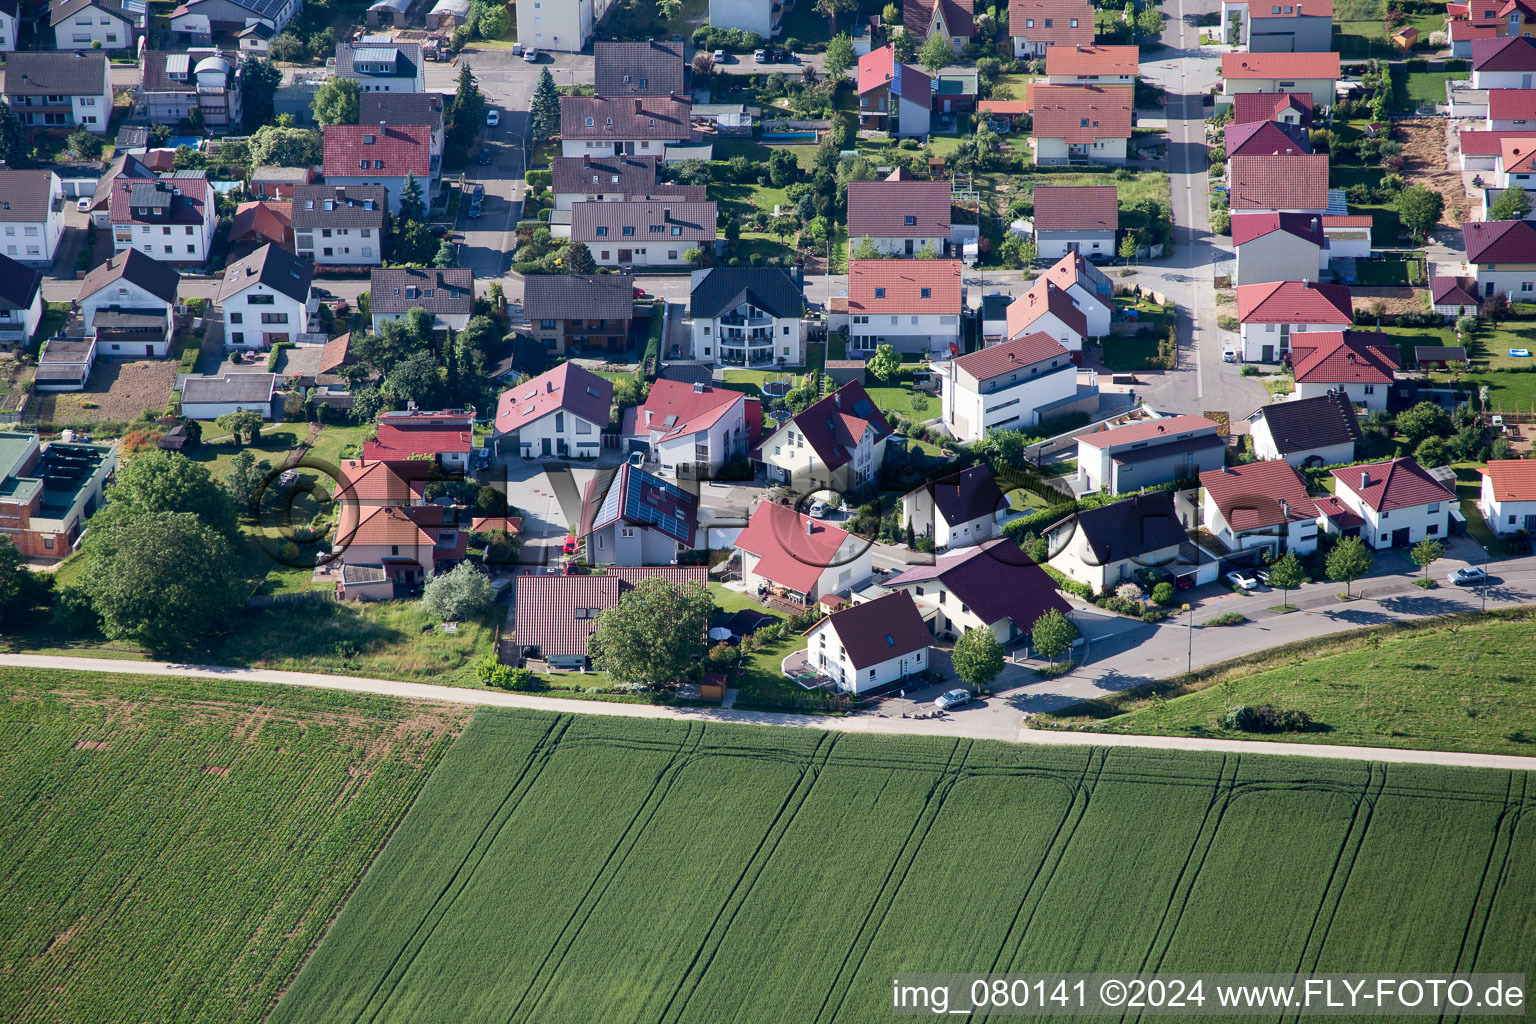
(1503, 255)
(169, 218)
(1265, 27)
(1092, 65)
(380, 64)
(1269, 315)
(447, 294)
(60, 89)
(1106, 546)
(1259, 505)
(8, 13)
(869, 645)
(644, 232)
(1399, 501)
(1361, 364)
(600, 179)
(1081, 123)
(559, 413)
(97, 24)
(1147, 453)
(955, 511)
(1039, 25)
(691, 429)
(564, 25)
(128, 304)
(1089, 289)
(631, 517)
(912, 305)
(335, 226)
(1006, 387)
(1273, 247)
(992, 586)
(1507, 499)
(1076, 218)
(899, 216)
(208, 398)
(21, 303)
(805, 558)
(1312, 73)
(837, 443)
(1453, 297)
(1049, 310)
(199, 21)
(746, 316)
(1307, 432)
(1511, 110)
(602, 126)
(1505, 62)
(266, 299)
(31, 215)
(760, 16)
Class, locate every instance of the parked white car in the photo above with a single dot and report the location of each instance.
(1242, 580)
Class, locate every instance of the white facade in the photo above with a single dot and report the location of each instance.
(1049, 323)
(18, 325)
(826, 652)
(393, 185)
(921, 513)
(1508, 516)
(911, 332)
(972, 407)
(1400, 525)
(7, 33)
(623, 543)
(440, 321)
(1093, 307)
(124, 294)
(1371, 396)
(747, 15)
(1516, 280)
(91, 28)
(561, 433)
(564, 25)
(951, 617)
(35, 242)
(1264, 449)
(1503, 80)
(1320, 88)
(1073, 556)
(790, 458)
(349, 247)
(661, 253)
(1298, 535)
(1099, 151)
(713, 447)
(1053, 245)
(851, 566)
(757, 340)
(902, 246)
(258, 316)
(1271, 342)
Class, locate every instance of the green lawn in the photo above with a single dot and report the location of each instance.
(1390, 271)
(1385, 224)
(1508, 392)
(757, 243)
(1367, 39)
(1410, 89)
(1488, 348)
(337, 442)
(904, 400)
(724, 149)
(1429, 690)
(837, 861)
(173, 849)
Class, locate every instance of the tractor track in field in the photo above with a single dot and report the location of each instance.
(1354, 841)
(538, 757)
(1508, 827)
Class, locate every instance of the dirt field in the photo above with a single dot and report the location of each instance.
(1393, 300)
(119, 390)
(1424, 163)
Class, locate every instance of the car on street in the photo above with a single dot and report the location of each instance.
(1262, 575)
(483, 157)
(1229, 356)
(818, 509)
(952, 699)
(570, 546)
(493, 117)
(760, 57)
(1242, 580)
(1466, 577)
(477, 190)
(639, 293)
(321, 293)
(719, 56)
(84, 205)
(531, 55)
(438, 230)
(474, 209)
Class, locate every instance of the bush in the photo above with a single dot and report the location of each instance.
(1077, 589)
(491, 672)
(1266, 718)
(1163, 594)
(1128, 592)
(1226, 619)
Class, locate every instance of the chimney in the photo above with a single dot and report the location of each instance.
(809, 526)
(698, 387)
(639, 105)
(383, 127)
(586, 161)
(1365, 478)
(1285, 508)
(1315, 224)
(648, 414)
(1306, 282)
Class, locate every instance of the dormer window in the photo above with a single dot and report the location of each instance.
(879, 293)
(378, 165)
(369, 140)
(927, 293)
(590, 122)
(362, 165)
(909, 220)
(643, 83)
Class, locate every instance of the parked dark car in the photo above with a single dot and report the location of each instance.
(483, 157)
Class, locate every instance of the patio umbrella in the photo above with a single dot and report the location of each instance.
(719, 633)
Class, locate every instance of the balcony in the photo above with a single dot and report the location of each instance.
(743, 321)
(739, 357)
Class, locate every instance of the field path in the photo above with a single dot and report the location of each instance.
(1000, 724)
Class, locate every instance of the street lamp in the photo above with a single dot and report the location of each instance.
(1189, 664)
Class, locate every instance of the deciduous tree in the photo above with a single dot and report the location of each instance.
(285, 147)
(1419, 208)
(162, 481)
(978, 657)
(1512, 204)
(462, 593)
(885, 364)
(1052, 635)
(1348, 561)
(936, 54)
(1286, 574)
(839, 56)
(338, 101)
(1426, 553)
(654, 635)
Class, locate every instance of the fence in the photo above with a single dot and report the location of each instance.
(300, 597)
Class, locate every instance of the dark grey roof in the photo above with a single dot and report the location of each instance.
(130, 319)
(570, 296)
(1130, 528)
(402, 108)
(18, 284)
(59, 351)
(32, 73)
(132, 136)
(151, 195)
(232, 387)
(25, 195)
(351, 206)
(969, 494)
(155, 69)
(686, 373)
(61, 9)
(1439, 353)
(1306, 423)
(1136, 456)
(583, 175)
(158, 278)
(398, 289)
(276, 268)
(721, 289)
(650, 68)
(406, 58)
(270, 172)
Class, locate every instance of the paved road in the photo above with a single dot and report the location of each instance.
(1001, 725)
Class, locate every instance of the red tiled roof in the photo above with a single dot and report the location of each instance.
(1008, 107)
(1506, 53)
(1349, 220)
(1252, 225)
(1294, 302)
(1451, 291)
(1279, 182)
(188, 200)
(879, 630)
(1092, 60)
(997, 580)
(676, 409)
(1249, 497)
(1268, 106)
(1515, 154)
(1076, 208)
(1146, 430)
(1289, 66)
(380, 525)
(879, 209)
(1340, 514)
(896, 286)
(1343, 357)
(371, 483)
(485, 524)
(1484, 143)
(1511, 104)
(880, 67)
(391, 153)
(1500, 241)
(1313, 9)
(1081, 113)
(1266, 138)
(1044, 297)
(336, 354)
(1013, 355)
(268, 219)
(397, 442)
(1060, 13)
(1394, 484)
(1513, 479)
(547, 605)
(624, 117)
(1068, 271)
(834, 425)
(1463, 30)
(792, 549)
(959, 17)
(567, 387)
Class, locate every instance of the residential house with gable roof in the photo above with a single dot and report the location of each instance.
(1507, 496)
(1285, 107)
(954, 20)
(1453, 297)
(560, 413)
(799, 558)
(557, 614)
(1106, 546)
(631, 517)
(1273, 247)
(1091, 64)
(447, 294)
(900, 216)
(1362, 364)
(746, 316)
(266, 299)
(1262, 26)
(10, 11)
(993, 585)
(648, 67)
(420, 108)
(1089, 289)
(1080, 123)
(837, 443)
(211, 396)
(170, 218)
(1270, 315)
(955, 511)
(1315, 73)
(643, 232)
(97, 24)
(1399, 501)
(1508, 62)
(1006, 387)
(605, 126)
(1259, 505)
(893, 97)
(869, 645)
(1307, 432)
(128, 305)
(382, 64)
(1266, 138)
(419, 437)
(60, 89)
(911, 305)
(1076, 218)
(691, 429)
(602, 179)
(1511, 110)
(207, 21)
(1503, 255)
(1049, 310)
(1038, 25)
(31, 215)
(1279, 184)
(588, 313)
(336, 226)
(383, 155)
(21, 303)
(1147, 453)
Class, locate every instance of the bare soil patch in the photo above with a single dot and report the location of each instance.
(1393, 301)
(215, 770)
(1425, 163)
(118, 391)
(90, 745)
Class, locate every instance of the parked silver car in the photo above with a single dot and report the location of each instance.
(952, 699)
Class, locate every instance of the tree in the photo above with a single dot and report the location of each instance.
(1286, 573)
(285, 147)
(165, 579)
(162, 481)
(244, 481)
(1512, 204)
(839, 56)
(936, 54)
(926, 251)
(1128, 246)
(545, 110)
(1494, 308)
(85, 145)
(495, 22)
(447, 255)
(654, 635)
(413, 243)
(415, 379)
(866, 249)
(694, 256)
(578, 259)
(462, 593)
(1426, 553)
(338, 101)
(977, 657)
(1052, 635)
(287, 48)
(891, 14)
(904, 46)
(1423, 420)
(20, 588)
(830, 9)
(1419, 208)
(885, 364)
(1149, 23)
(782, 168)
(243, 423)
(467, 112)
(259, 80)
(1001, 450)
(413, 204)
(668, 9)
(1348, 561)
